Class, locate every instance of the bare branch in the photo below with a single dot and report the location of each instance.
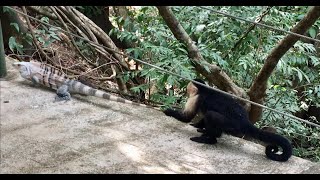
(71, 37)
(34, 37)
(107, 41)
(43, 11)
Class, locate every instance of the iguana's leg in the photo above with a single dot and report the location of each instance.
(35, 80)
(63, 93)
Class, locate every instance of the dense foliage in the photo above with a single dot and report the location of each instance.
(295, 82)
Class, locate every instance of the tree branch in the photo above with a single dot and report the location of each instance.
(216, 76)
(259, 86)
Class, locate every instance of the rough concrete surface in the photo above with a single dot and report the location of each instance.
(92, 135)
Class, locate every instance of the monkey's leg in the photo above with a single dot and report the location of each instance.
(208, 137)
(212, 122)
(212, 131)
(200, 126)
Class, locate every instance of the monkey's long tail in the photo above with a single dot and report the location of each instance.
(273, 141)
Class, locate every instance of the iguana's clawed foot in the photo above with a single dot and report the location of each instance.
(66, 97)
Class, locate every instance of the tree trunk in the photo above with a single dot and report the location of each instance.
(121, 11)
(102, 20)
(3, 69)
(216, 76)
(258, 89)
(317, 46)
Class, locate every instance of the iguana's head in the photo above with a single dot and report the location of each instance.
(24, 68)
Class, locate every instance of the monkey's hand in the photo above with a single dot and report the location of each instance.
(169, 112)
(178, 114)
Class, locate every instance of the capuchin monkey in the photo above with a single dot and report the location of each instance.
(223, 114)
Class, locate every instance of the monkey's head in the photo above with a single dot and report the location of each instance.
(200, 81)
(200, 87)
(192, 88)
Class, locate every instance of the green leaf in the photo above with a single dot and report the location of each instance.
(29, 39)
(170, 80)
(52, 29)
(40, 39)
(136, 53)
(129, 50)
(6, 9)
(12, 43)
(44, 19)
(122, 37)
(55, 37)
(313, 32)
(19, 48)
(126, 77)
(300, 16)
(298, 73)
(110, 32)
(46, 43)
(144, 73)
(182, 50)
(306, 77)
(16, 26)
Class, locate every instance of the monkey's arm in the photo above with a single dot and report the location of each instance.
(180, 115)
(191, 107)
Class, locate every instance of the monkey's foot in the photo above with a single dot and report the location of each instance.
(201, 130)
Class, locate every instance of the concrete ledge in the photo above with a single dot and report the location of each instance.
(92, 135)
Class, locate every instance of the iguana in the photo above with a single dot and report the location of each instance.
(49, 76)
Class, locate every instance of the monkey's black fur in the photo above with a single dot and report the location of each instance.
(223, 114)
